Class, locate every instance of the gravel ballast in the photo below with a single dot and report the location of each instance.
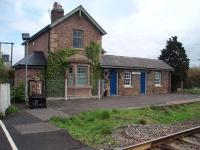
(134, 134)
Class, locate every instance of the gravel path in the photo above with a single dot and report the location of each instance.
(134, 134)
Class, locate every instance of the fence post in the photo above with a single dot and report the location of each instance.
(66, 86)
(102, 87)
(99, 89)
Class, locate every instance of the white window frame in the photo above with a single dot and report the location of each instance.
(127, 79)
(82, 74)
(158, 79)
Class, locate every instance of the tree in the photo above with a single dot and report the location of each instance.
(93, 52)
(193, 77)
(174, 54)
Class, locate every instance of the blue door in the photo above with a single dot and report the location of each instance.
(113, 82)
(142, 83)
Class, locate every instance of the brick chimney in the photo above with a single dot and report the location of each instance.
(57, 12)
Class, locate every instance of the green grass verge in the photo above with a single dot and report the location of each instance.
(195, 90)
(94, 128)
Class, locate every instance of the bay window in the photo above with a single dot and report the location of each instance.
(82, 76)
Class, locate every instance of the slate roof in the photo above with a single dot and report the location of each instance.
(111, 61)
(37, 59)
(79, 9)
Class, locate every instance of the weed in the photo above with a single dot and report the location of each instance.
(12, 109)
(104, 115)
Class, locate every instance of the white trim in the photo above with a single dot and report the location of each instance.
(130, 78)
(158, 85)
(128, 86)
(12, 144)
(66, 89)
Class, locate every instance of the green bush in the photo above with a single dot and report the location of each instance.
(12, 109)
(18, 93)
(195, 90)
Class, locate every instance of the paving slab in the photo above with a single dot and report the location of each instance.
(45, 114)
(4, 143)
(36, 128)
(52, 140)
(75, 106)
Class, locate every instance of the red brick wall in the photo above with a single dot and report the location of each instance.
(62, 34)
(165, 83)
(135, 88)
(40, 44)
(32, 73)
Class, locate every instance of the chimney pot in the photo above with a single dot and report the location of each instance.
(57, 12)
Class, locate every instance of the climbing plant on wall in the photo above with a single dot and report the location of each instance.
(93, 52)
(57, 65)
(58, 61)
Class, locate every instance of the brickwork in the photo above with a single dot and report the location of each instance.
(40, 44)
(132, 90)
(32, 74)
(135, 88)
(165, 83)
(62, 34)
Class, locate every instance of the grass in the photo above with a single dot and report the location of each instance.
(195, 90)
(94, 128)
(12, 109)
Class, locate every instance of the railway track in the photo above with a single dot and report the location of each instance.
(185, 140)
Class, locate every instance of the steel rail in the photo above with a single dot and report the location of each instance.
(158, 141)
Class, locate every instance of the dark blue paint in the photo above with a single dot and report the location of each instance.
(142, 83)
(113, 82)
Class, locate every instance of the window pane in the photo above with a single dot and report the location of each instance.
(127, 78)
(82, 77)
(158, 78)
(77, 38)
(70, 79)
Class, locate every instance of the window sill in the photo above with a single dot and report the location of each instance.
(158, 85)
(80, 87)
(128, 86)
(81, 49)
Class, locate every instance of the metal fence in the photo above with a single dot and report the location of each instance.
(56, 87)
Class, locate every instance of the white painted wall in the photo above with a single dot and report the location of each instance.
(4, 97)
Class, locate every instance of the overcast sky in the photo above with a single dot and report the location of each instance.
(138, 28)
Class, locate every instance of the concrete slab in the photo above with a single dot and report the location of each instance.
(183, 101)
(46, 113)
(35, 128)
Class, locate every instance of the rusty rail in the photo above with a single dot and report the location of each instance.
(155, 142)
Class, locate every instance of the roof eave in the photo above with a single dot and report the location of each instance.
(30, 66)
(137, 68)
(46, 28)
